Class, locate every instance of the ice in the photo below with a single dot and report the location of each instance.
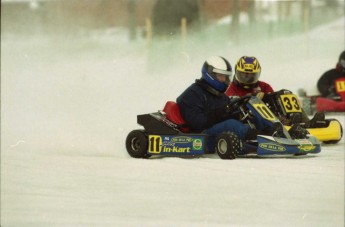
(66, 109)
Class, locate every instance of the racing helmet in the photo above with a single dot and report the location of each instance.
(214, 66)
(247, 71)
(341, 62)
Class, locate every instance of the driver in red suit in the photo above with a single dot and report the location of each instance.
(326, 82)
(246, 79)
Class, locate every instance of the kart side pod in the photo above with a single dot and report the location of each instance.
(162, 137)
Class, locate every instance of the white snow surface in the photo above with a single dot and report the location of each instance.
(67, 107)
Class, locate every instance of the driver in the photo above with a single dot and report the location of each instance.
(246, 80)
(206, 108)
(326, 82)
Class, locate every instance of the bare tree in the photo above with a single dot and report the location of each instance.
(132, 19)
(167, 15)
(251, 11)
(235, 12)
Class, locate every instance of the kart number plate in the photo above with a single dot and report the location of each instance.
(264, 111)
(340, 86)
(155, 144)
(290, 103)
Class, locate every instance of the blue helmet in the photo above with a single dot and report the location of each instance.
(213, 66)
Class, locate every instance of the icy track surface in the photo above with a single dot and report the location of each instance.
(66, 111)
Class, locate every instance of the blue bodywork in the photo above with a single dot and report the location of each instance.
(268, 145)
(168, 140)
(186, 144)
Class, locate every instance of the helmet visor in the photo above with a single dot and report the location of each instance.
(226, 74)
(247, 78)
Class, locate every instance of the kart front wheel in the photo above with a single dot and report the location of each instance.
(137, 144)
(228, 145)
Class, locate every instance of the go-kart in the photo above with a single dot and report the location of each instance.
(166, 133)
(286, 106)
(333, 103)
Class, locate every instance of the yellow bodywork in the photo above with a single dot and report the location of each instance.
(332, 132)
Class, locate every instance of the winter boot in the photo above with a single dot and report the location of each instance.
(297, 132)
(277, 130)
(252, 134)
(318, 120)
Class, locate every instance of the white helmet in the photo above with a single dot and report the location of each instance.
(216, 65)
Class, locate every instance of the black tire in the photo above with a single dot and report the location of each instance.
(228, 145)
(137, 144)
(341, 136)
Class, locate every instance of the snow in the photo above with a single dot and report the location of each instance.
(67, 107)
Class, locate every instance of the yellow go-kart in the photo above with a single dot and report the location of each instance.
(286, 106)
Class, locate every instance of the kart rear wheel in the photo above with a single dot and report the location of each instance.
(228, 145)
(137, 144)
(341, 133)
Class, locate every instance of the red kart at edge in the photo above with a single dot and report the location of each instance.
(313, 104)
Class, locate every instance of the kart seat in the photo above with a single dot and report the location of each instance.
(173, 114)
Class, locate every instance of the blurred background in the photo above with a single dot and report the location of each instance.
(142, 18)
(178, 28)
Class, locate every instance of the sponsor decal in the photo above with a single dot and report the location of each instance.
(272, 147)
(306, 147)
(176, 149)
(197, 144)
(181, 139)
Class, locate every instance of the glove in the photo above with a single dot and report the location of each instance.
(218, 115)
(230, 110)
(260, 95)
(284, 120)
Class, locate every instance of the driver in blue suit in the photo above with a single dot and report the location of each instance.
(206, 108)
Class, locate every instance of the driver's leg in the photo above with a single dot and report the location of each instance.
(230, 125)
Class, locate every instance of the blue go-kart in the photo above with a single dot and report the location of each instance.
(166, 134)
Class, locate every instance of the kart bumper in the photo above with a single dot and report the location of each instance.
(268, 145)
(332, 132)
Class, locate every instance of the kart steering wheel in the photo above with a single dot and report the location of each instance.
(235, 107)
(237, 102)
